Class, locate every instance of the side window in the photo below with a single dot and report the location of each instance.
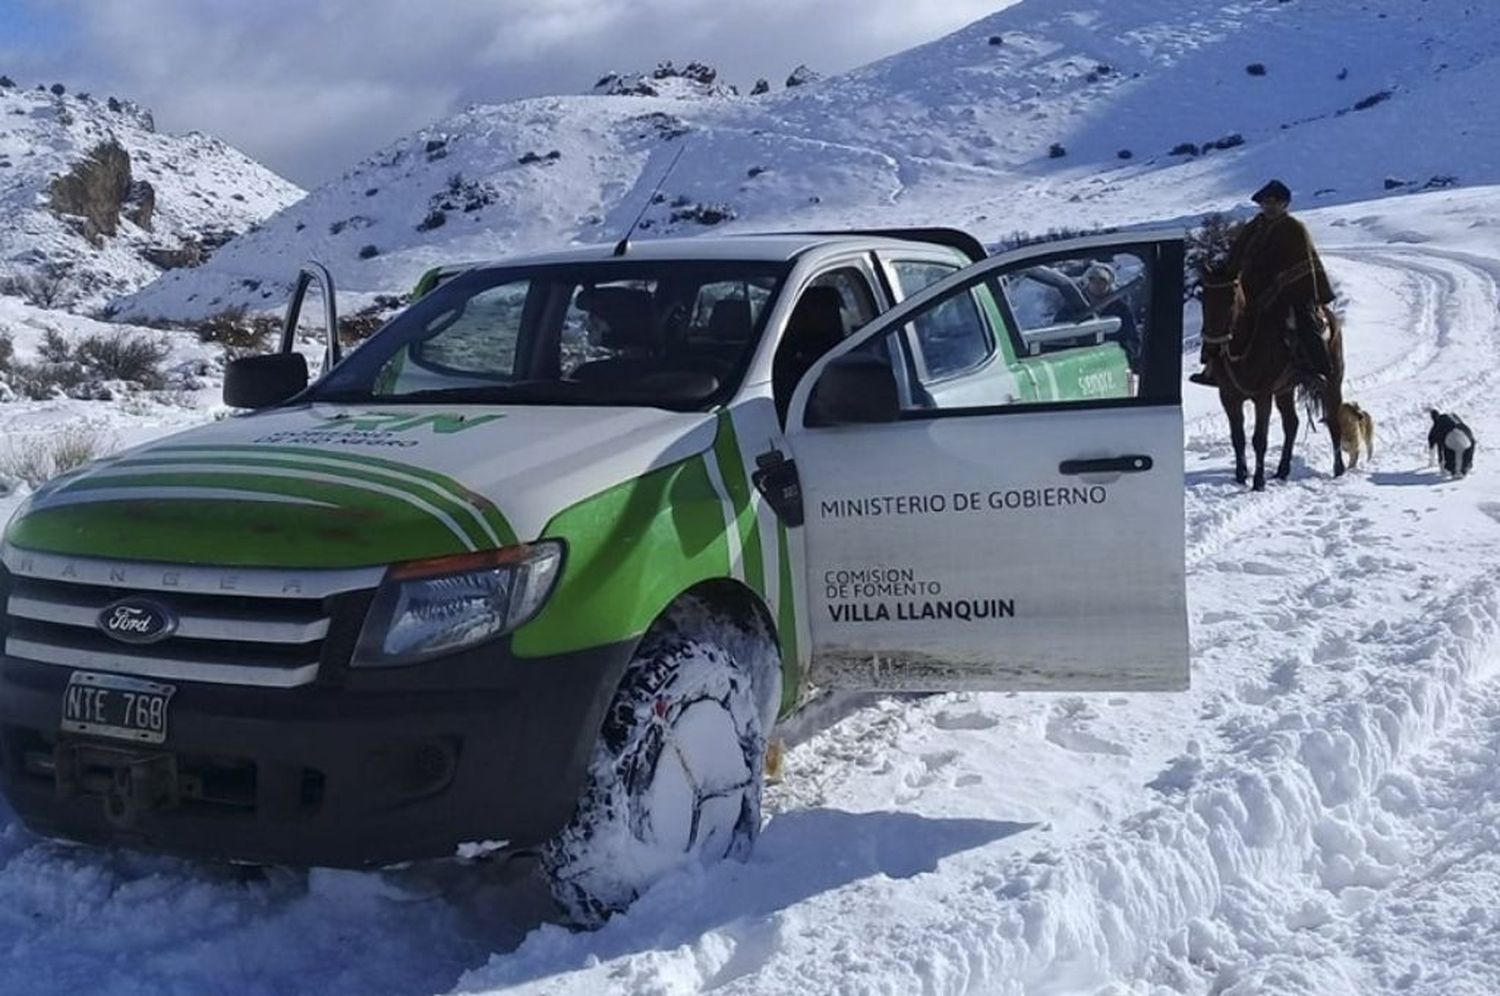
(742, 298)
(1078, 302)
(949, 339)
(829, 308)
(478, 340)
(915, 274)
(857, 304)
(1070, 328)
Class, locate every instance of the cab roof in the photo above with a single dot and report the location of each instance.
(764, 246)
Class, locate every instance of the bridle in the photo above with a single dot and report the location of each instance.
(1237, 312)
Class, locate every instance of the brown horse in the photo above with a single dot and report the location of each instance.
(1255, 363)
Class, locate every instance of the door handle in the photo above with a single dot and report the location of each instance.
(1131, 463)
(776, 479)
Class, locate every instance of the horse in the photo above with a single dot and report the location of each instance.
(1255, 363)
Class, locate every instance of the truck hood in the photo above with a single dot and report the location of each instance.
(335, 486)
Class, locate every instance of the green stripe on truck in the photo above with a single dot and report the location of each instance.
(732, 467)
(631, 550)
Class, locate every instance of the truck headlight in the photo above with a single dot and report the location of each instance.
(426, 608)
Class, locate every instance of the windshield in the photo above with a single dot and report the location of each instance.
(667, 334)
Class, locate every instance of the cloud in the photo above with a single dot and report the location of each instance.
(310, 88)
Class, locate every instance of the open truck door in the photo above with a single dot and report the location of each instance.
(982, 515)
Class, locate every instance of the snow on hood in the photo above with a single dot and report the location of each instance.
(335, 486)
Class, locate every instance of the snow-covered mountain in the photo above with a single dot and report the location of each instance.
(1038, 117)
(97, 202)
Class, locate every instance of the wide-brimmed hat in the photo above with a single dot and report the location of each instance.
(1274, 190)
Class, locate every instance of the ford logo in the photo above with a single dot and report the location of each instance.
(137, 620)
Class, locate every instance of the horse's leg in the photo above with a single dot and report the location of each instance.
(1258, 440)
(1286, 403)
(1234, 410)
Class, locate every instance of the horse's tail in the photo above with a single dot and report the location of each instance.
(1314, 387)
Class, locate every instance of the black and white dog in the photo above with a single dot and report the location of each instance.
(1451, 443)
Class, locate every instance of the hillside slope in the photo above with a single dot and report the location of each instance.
(1343, 99)
(96, 202)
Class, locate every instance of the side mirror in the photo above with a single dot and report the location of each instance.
(856, 387)
(263, 381)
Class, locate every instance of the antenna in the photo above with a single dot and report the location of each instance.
(623, 246)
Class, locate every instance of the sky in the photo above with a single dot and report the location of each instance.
(310, 88)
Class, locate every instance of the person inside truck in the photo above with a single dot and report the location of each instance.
(620, 320)
(1099, 288)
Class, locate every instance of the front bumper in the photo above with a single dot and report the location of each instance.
(379, 767)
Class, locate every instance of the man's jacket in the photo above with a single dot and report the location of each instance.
(1277, 265)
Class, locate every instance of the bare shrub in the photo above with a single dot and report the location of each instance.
(125, 356)
(37, 458)
(55, 373)
(1208, 247)
(46, 287)
(238, 334)
(79, 371)
(355, 329)
(54, 348)
(359, 326)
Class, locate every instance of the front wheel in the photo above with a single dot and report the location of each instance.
(675, 776)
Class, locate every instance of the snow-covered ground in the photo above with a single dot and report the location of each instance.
(1316, 815)
(192, 372)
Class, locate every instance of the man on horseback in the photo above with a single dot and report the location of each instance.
(1282, 279)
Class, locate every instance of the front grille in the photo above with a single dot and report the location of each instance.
(269, 628)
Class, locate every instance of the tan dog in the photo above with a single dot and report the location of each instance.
(1356, 432)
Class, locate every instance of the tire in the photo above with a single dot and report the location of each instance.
(677, 770)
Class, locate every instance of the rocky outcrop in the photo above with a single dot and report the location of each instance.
(802, 76)
(96, 190)
(667, 80)
(140, 203)
(190, 252)
(185, 256)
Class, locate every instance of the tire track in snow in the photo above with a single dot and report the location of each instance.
(1402, 898)
(1451, 291)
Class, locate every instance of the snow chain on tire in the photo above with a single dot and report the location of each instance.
(613, 848)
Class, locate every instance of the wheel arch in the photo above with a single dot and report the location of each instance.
(727, 602)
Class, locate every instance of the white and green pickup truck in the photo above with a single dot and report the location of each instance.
(541, 563)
